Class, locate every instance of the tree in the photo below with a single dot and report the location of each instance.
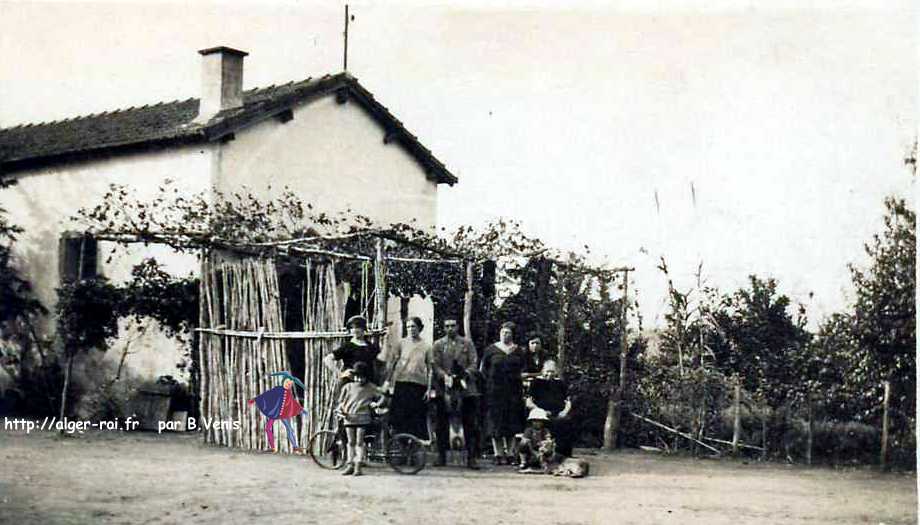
(834, 352)
(87, 317)
(18, 307)
(762, 343)
(16, 300)
(709, 338)
(535, 306)
(683, 383)
(884, 314)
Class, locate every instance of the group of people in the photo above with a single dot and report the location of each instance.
(510, 394)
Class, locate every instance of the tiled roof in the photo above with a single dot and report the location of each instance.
(173, 123)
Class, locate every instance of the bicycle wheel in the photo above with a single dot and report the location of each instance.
(406, 454)
(374, 450)
(328, 449)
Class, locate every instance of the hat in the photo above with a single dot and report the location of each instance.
(358, 320)
(538, 414)
(287, 375)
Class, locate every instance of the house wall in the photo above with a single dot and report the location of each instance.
(332, 155)
(43, 202)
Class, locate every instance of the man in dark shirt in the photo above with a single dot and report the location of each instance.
(550, 393)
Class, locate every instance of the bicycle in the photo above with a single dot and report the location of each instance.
(404, 453)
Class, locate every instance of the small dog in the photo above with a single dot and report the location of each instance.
(559, 465)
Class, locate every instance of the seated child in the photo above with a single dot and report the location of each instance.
(533, 438)
(356, 402)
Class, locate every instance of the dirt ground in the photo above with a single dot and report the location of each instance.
(110, 477)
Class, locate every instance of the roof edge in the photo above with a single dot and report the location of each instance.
(222, 49)
(235, 120)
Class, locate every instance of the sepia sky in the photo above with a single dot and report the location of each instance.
(754, 136)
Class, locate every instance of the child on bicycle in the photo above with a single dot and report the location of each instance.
(356, 403)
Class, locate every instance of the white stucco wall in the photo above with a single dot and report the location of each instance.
(333, 156)
(44, 201)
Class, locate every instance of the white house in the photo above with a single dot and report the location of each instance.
(327, 139)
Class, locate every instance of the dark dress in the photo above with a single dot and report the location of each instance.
(534, 363)
(350, 354)
(550, 395)
(504, 391)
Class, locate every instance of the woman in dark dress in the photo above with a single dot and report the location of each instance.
(355, 350)
(502, 364)
(550, 393)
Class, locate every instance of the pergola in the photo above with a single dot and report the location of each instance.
(241, 323)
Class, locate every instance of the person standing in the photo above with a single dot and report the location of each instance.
(452, 355)
(535, 355)
(357, 400)
(502, 365)
(355, 350)
(410, 380)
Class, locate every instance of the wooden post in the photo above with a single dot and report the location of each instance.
(624, 348)
(680, 353)
(615, 405)
(380, 310)
(883, 456)
(203, 339)
(468, 303)
(70, 352)
(736, 433)
(380, 286)
(67, 371)
(763, 437)
(809, 427)
(560, 332)
(345, 52)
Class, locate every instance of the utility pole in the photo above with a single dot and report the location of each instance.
(345, 33)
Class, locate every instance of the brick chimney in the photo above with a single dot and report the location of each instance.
(221, 81)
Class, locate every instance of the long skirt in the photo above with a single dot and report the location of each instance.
(408, 410)
(504, 415)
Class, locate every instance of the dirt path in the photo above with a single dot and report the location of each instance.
(147, 478)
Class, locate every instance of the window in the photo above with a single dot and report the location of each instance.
(77, 256)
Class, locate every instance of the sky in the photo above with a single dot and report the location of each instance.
(753, 137)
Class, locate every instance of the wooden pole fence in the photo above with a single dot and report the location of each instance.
(736, 431)
(732, 443)
(250, 334)
(675, 431)
(883, 454)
